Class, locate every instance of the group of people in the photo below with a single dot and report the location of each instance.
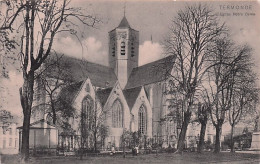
(135, 150)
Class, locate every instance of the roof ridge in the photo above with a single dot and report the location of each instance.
(170, 56)
(86, 61)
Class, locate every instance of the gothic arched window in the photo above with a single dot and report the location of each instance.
(122, 48)
(86, 112)
(117, 115)
(142, 120)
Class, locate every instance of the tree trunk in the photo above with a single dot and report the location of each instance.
(231, 139)
(26, 98)
(202, 136)
(95, 140)
(218, 136)
(182, 135)
(25, 138)
(54, 117)
(123, 145)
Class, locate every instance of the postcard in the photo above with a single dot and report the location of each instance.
(113, 81)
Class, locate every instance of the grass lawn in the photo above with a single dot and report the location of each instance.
(207, 157)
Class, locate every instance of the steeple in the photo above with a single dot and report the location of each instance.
(124, 23)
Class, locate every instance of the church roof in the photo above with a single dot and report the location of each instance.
(79, 70)
(103, 95)
(131, 95)
(68, 93)
(151, 73)
(124, 23)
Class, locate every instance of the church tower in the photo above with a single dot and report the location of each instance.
(123, 51)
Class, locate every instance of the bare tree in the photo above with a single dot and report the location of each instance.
(98, 129)
(221, 79)
(8, 42)
(193, 29)
(49, 16)
(53, 76)
(244, 98)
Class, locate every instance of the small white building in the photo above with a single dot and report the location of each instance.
(43, 135)
(8, 138)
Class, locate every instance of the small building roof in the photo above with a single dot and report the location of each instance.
(151, 73)
(40, 125)
(131, 95)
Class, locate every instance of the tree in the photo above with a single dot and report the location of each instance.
(244, 98)
(7, 41)
(227, 61)
(98, 129)
(5, 119)
(193, 29)
(38, 23)
(52, 77)
(218, 92)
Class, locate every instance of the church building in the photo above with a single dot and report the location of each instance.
(123, 96)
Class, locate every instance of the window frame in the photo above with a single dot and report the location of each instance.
(117, 114)
(142, 119)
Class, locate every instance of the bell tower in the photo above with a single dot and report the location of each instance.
(123, 51)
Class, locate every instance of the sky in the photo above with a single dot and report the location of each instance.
(152, 19)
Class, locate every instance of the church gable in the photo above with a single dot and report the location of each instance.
(86, 90)
(142, 114)
(116, 98)
(84, 100)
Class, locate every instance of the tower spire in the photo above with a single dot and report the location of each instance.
(124, 8)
